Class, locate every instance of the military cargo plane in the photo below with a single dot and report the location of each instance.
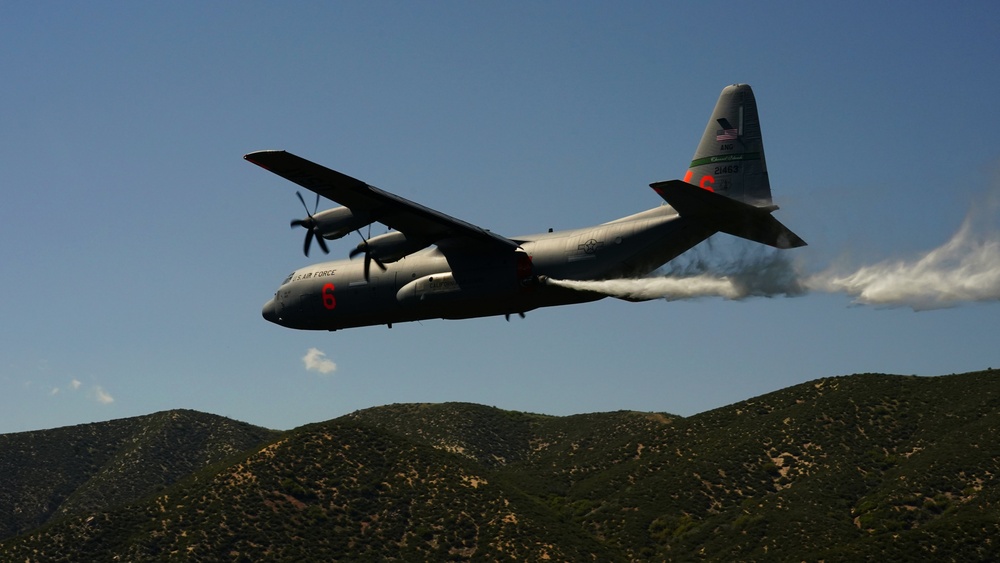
(431, 265)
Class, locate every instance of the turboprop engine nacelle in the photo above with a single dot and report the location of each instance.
(390, 247)
(335, 223)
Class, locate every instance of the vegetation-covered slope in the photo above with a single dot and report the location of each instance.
(837, 469)
(80, 469)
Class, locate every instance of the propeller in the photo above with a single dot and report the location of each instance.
(310, 225)
(363, 247)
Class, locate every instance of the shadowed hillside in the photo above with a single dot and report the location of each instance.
(841, 468)
(80, 469)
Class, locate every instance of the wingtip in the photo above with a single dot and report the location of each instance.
(249, 156)
(260, 158)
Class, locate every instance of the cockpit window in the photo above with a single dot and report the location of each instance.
(288, 279)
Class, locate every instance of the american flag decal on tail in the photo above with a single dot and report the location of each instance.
(726, 135)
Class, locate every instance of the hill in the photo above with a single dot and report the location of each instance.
(80, 469)
(841, 468)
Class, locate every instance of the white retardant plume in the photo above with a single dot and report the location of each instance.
(667, 288)
(965, 269)
(733, 269)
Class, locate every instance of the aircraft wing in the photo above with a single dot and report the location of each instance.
(412, 219)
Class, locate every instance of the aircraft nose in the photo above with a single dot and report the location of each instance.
(270, 312)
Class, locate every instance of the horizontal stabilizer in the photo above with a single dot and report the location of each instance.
(727, 215)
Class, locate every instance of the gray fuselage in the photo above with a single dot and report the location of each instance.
(452, 282)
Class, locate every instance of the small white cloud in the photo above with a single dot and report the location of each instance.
(103, 396)
(75, 384)
(315, 360)
(54, 391)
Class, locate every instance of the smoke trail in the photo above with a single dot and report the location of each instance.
(964, 269)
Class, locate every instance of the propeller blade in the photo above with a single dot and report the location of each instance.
(364, 248)
(322, 244)
(309, 238)
(309, 223)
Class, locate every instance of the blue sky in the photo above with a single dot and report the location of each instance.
(138, 246)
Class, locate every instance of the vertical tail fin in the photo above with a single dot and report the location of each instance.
(730, 158)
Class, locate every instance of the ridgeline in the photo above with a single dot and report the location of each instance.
(839, 469)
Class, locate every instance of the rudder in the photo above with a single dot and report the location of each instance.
(730, 157)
